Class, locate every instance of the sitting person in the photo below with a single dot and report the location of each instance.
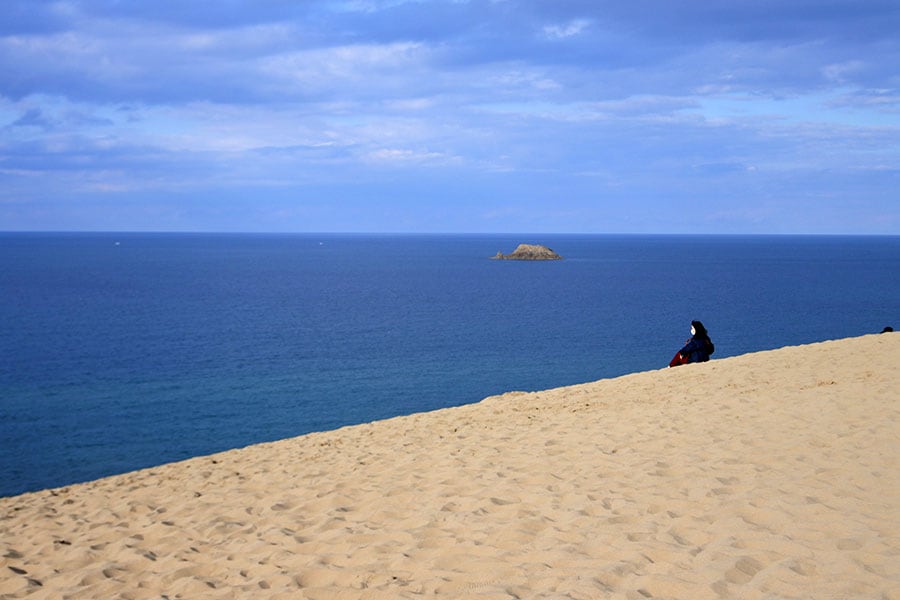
(696, 349)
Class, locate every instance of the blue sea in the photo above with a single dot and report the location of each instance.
(123, 351)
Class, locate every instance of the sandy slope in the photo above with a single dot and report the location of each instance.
(770, 475)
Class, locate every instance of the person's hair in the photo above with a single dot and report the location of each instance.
(699, 329)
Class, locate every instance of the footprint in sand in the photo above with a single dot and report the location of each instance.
(744, 570)
(316, 578)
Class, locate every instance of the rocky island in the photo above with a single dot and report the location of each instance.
(529, 252)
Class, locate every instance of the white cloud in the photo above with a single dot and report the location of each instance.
(410, 104)
(405, 157)
(839, 72)
(517, 78)
(566, 30)
(333, 68)
(254, 38)
(368, 6)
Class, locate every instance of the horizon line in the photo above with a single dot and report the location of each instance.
(436, 233)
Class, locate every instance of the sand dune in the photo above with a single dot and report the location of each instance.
(770, 475)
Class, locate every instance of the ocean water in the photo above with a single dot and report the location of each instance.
(122, 351)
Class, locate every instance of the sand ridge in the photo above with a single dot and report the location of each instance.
(769, 475)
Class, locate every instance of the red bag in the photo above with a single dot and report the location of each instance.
(678, 359)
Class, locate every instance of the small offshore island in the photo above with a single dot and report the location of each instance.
(529, 252)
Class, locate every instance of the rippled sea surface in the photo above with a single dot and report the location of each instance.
(122, 351)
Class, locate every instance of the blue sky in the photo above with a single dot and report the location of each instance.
(678, 116)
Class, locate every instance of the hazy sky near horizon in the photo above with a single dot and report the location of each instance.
(582, 116)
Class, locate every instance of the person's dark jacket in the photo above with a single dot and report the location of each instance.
(698, 349)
